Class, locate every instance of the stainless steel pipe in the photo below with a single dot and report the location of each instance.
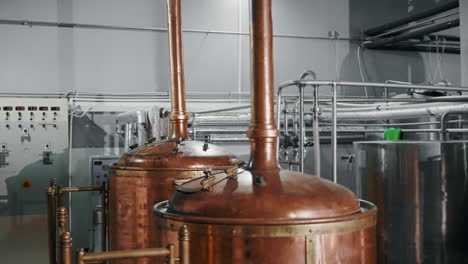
(302, 84)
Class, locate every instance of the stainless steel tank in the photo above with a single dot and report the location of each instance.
(421, 190)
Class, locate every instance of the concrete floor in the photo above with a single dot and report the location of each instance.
(23, 239)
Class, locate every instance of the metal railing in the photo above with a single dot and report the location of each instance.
(58, 219)
(301, 85)
(66, 252)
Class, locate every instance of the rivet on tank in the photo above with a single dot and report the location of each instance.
(146, 175)
(262, 214)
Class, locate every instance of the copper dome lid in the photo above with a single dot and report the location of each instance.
(263, 194)
(295, 198)
(175, 155)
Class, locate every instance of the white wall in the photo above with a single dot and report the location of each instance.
(45, 59)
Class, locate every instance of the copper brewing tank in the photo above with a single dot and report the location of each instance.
(145, 175)
(268, 215)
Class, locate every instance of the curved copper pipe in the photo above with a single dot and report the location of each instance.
(263, 132)
(178, 116)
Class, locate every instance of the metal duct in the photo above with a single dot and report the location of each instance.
(415, 17)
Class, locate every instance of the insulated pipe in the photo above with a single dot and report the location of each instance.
(383, 107)
(365, 115)
(138, 116)
(178, 116)
(415, 17)
(370, 84)
(445, 37)
(398, 113)
(140, 119)
(263, 132)
(432, 49)
(128, 136)
(412, 34)
(420, 24)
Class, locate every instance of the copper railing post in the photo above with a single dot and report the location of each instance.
(64, 235)
(80, 256)
(66, 248)
(62, 219)
(184, 245)
(171, 258)
(51, 219)
(58, 218)
(104, 217)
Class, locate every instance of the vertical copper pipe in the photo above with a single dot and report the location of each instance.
(51, 218)
(59, 196)
(104, 217)
(66, 248)
(178, 116)
(171, 258)
(263, 132)
(79, 257)
(184, 245)
(62, 221)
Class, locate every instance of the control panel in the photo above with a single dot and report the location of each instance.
(44, 112)
(33, 149)
(100, 168)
